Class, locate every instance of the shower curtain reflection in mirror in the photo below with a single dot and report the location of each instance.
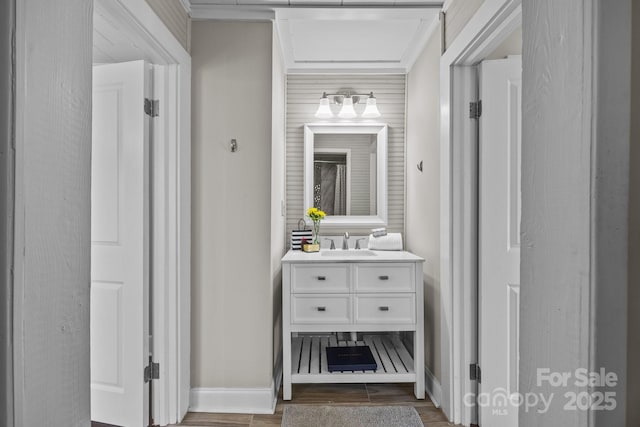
(330, 185)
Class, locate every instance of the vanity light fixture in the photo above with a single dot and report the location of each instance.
(347, 100)
(347, 111)
(324, 109)
(371, 110)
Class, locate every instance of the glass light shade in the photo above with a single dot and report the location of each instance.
(347, 111)
(324, 110)
(371, 110)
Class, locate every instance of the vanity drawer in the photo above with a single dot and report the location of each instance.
(313, 278)
(392, 277)
(385, 309)
(321, 309)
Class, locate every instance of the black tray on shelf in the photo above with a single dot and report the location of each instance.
(358, 358)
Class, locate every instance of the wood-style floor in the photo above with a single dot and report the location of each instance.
(328, 394)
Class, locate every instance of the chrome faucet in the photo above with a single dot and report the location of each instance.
(345, 240)
(333, 244)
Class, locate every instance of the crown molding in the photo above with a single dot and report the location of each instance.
(265, 9)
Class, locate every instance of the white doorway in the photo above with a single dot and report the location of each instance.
(120, 225)
(499, 208)
(492, 24)
(130, 31)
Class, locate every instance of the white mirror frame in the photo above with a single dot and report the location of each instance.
(378, 129)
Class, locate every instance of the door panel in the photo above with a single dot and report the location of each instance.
(119, 247)
(499, 240)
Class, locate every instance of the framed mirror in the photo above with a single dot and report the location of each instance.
(345, 172)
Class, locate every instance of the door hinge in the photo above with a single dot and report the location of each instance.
(475, 374)
(475, 109)
(151, 372)
(151, 107)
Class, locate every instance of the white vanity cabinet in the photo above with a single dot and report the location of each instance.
(368, 294)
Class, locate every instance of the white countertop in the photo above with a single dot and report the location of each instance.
(357, 255)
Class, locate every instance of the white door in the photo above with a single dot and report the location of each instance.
(119, 245)
(499, 241)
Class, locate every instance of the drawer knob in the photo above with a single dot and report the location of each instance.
(322, 308)
(322, 278)
(383, 308)
(383, 277)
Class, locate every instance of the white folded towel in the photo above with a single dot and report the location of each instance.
(390, 242)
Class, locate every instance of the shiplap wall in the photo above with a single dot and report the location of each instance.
(7, 26)
(177, 20)
(575, 148)
(360, 150)
(52, 228)
(457, 14)
(303, 93)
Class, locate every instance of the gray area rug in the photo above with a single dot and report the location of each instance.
(350, 416)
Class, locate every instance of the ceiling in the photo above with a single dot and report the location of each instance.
(369, 36)
(113, 36)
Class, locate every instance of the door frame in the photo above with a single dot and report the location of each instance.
(494, 21)
(170, 165)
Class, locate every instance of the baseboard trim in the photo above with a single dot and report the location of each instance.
(432, 387)
(231, 400)
(259, 400)
(277, 380)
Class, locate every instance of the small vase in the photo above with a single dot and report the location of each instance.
(316, 232)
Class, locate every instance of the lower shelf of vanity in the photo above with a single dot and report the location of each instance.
(309, 361)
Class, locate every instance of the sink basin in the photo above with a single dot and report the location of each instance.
(347, 253)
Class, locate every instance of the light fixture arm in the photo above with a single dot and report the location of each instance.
(339, 97)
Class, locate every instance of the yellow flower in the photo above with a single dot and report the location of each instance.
(315, 214)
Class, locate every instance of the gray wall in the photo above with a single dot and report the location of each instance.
(278, 225)
(303, 93)
(232, 286)
(7, 23)
(575, 137)
(52, 221)
(423, 188)
(610, 146)
(633, 337)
